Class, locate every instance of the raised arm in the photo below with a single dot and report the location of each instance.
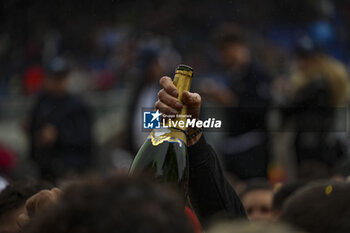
(210, 192)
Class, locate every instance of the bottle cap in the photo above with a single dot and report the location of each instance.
(184, 67)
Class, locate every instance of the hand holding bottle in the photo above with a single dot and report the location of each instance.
(169, 104)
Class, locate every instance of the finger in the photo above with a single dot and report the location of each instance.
(168, 86)
(169, 100)
(191, 99)
(165, 109)
(22, 220)
(38, 201)
(58, 192)
(31, 205)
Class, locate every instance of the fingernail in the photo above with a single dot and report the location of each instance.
(175, 93)
(178, 105)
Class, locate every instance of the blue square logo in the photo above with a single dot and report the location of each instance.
(151, 120)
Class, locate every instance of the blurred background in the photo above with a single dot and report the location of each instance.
(74, 77)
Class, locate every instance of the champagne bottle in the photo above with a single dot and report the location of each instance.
(164, 153)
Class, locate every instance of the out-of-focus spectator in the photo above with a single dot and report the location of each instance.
(246, 227)
(156, 58)
(282, 195)
(60, 127)
(313, 67)
(257, 200)
(247, 92)
(145, 93)
(320, 208)
(320, 93)
(12, 200)
(121, 204)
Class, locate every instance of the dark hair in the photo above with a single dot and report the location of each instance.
(320, 208)
(16, 193)
(284, 193)
(122, 204)
(228, 34)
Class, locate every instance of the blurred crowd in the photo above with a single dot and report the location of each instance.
(275, 72)
(102, 40)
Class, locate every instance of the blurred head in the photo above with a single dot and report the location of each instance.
(319, 66)
(148, 60)
(120, 204)
(247, 227)
(257, 200)
(282, 195)
(56, 79)
(232, 47)
(12, 201)
(305, 53)
(320, 208)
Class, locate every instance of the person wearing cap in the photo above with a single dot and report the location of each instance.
(59, 127)
(144, 94)
(320, 91)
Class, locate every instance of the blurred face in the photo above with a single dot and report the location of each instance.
(8, 222)
(258, 204)
(234, 55)
(56, 86)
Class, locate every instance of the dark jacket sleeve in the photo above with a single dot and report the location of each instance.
(210, 193)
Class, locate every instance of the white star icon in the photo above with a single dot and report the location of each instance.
(155, 115)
